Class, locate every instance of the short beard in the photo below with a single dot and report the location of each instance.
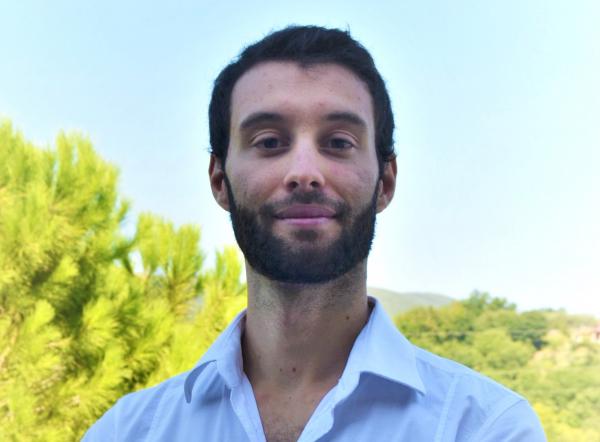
(280, 261)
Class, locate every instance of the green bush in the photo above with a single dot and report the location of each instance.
(80, 323)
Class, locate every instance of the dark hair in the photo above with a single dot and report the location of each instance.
(305, 45)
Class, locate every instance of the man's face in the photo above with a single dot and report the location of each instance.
(301, 178)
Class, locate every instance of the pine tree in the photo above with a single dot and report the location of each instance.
(87, 314)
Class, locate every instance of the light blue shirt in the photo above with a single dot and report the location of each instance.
(390, 390)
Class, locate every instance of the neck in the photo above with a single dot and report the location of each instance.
(300, 335)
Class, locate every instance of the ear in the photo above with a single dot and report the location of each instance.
(216, 175)
(387, 185)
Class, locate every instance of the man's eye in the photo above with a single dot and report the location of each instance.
(268, 143)
(339, 143)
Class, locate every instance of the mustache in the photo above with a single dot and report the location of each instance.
(340, 208)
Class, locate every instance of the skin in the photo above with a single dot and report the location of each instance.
(298, 337)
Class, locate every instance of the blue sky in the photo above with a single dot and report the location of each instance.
(497, 108)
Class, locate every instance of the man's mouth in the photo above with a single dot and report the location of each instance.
(306, 214)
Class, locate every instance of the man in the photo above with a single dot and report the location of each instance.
(302, 157)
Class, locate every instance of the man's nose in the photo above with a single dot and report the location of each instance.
(304, 170)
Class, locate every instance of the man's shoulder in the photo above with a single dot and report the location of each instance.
(440, 374)
(474, 404)
(134, 413)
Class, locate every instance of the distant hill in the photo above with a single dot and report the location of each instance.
(395, 303)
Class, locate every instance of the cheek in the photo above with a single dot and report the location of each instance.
(250, 184)
(355, 182)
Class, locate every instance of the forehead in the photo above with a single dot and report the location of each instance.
(287, 87)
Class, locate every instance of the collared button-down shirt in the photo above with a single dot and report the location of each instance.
(390, 390)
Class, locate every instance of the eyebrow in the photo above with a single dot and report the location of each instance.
(258, 118)
(347, 117)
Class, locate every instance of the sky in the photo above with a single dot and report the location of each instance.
(496, 104)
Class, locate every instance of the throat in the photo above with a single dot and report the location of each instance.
(295, 348)
(284, 414)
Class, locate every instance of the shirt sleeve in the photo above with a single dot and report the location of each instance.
(518, 423)
(103, 430)
(130, 418)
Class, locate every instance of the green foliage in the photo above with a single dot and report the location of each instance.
(86, 314)
(534, 353)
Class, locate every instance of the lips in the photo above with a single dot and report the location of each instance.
(305, 211)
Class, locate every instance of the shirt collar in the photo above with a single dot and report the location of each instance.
(226, 353)
(379, 349)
